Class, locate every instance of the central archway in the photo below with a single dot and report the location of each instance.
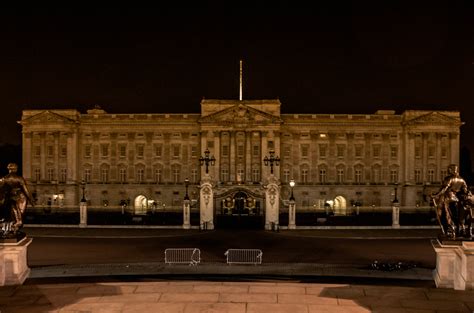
(239, 209)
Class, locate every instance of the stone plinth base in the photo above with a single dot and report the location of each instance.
(454, 264)
(13, 260)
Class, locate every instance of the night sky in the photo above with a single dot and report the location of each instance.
(347, 59)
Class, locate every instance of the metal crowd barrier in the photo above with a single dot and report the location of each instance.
(244, 256)
(191, 256)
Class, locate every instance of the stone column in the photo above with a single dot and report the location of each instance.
(206, 207)
(43, 156)
(264, 172)
(232, 156)
(83, 214)
(217, 153)
(186, 214)
(248, 157)
(56, 149)
(272, 204)
(203, 148)
(292, 215)
(395, 214)
(27, 156)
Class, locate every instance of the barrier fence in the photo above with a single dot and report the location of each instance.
(244, 256)
(191, 256)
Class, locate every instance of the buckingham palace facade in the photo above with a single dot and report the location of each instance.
(141, 161)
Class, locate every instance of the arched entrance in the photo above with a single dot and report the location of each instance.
(239, 209)
(340, 207)
(140, 205)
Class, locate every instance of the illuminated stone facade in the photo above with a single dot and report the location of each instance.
(142, 160)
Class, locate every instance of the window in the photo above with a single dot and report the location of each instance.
(304, 176)
(394, 176)
(376, 175)
(87, 175)
(176, 175)
(50, 173)
(87, 151)
(340, 175)
(322, 151)
(140, 175)
(158, 151)
(104, 150)
(444, 152)
(256, 151)
(194, 176)
(287, 151)
(417, 152)
(37, 174)
(122, 151)
(376, 151)
(394, 152)
(444, 173)
(340, 151)
(176, 151)
(158, 177)
(224, 174)
(37, 151)
(418, 176)
(255, 174)
(431, 152)
(140, 151)
(240, 174)
(240, 150)
(50, 151)
(225, 150)
(358, 176)
(304, 151)
(104, 175)
(322, 175)
(63, 151)
(270, 145)
(193, 151)
(63, 176)
(123, 175)
(286, 175)
(358, 151)
(431, 175)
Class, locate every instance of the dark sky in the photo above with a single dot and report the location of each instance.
(345, 59)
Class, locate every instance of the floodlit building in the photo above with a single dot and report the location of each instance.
(141, 161)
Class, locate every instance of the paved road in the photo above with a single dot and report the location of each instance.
(358, 248)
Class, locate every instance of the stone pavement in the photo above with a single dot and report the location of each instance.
(230, 296)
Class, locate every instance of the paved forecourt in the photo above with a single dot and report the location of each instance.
(233, 297)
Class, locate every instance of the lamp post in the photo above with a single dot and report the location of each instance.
(270, 160)
(83, 206)
(292, 208)
(395, 209)
(186, 207)
(207, 160)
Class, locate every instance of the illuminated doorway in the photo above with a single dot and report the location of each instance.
(340, 207)
(140, 205)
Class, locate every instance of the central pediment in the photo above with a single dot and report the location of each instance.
(240, 115)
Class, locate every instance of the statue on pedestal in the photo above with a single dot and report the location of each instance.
(15, 197)
(454, 206)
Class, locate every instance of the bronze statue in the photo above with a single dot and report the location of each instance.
(454, 205)
(16, 196)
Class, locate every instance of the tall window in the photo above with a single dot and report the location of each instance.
(140, 151)
(50, 173)
(255, 174)
(431, 175)
(122, 151)
(376, 151)
(224, 175)
(104, 175)
(304, 176)
(194, 176)
(176, 151)
(37, 151)
(417, 152)
(431, 152)
(123, 175)
(140, 175)
(104, 150)
(376, 174)
(322, 151)
(304, 151)
(63, 151)
(340, 151)
(394, 176)
(158, 151)
(286, 175)
(256, 150)
(444, 152)
(87, 175)
(358, 175)
(358, 151)
(176, 175)
(50, 151)
(194, 151)
(158, 175)
(240, 174)
(225, 150)
(287, 151)
(322, 175)
(340, 175)
(418, 176)
(37, 174)
(444, 173)
(63, 176)
(87, 151)
(394, 152)
(240, 150)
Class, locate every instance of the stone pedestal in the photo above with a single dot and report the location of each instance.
(186, 214)
(83, 214)
(454, 264)
(395, 215)
(206, 204)
(292, 215)
(272, 204)
(13, 260)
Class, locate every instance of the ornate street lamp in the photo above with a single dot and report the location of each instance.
(292, 184)
(186, 183)
(207, 160)
(83, 186)
(272, 159)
